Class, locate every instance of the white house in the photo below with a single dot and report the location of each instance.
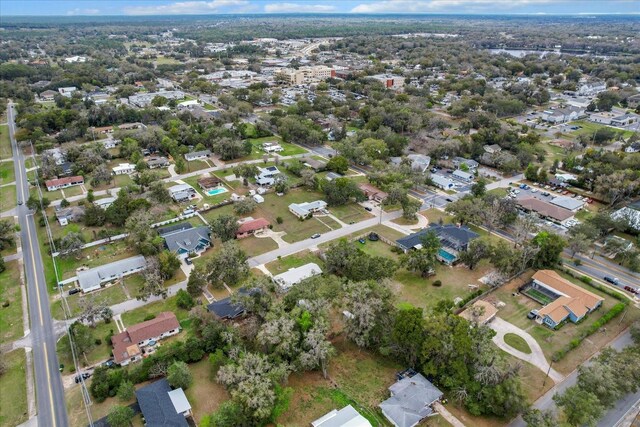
(182, 192)
(296, 275)
(462, 175)
(303, 210)
(197, 155)
(266, 176)
(67, 91)
(563, 115)
(124, 169)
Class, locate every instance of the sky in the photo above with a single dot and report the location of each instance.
(203, 7)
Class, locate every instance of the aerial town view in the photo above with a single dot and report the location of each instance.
(326, 213)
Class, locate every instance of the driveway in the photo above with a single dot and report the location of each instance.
(536, 357)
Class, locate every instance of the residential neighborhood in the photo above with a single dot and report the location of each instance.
(239, 214)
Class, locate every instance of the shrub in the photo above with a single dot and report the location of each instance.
(98, 341)
(149, 316)
(279, 220)
(184, 300)
(577, 262)
(437, 283)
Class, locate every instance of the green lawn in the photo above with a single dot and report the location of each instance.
(29, 163)
(110, 295)
(73, 191)
(13, 248)
(97, 353)
(196, 165)
(162, 60)
(517, 342)
(93, 257)
(258, 153)
(8, 199)
(5, 144)
(11, 327)
(13, 386)
(292, 261)
(589, 128)
(351, 212)
(7, 173)
(255, 246)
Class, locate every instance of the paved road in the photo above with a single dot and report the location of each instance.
(546, 403)
(49, 391)
(326, 237)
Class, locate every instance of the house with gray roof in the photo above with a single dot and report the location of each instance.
(572, 204)
(462, 175)
(194, 240)
(197, 155)
(94, 278)
(411, 401)
(163, 407)
(345, 417)
(442, 182)
(629, 214)
(454, 239)
(182, 192)
(303, 210)
(69, 214)
(470, 163)
(419, 162)
(293, 276)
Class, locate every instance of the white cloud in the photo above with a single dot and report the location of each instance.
(78, 12)
(298, 8)
(417, 6)
(186, 7)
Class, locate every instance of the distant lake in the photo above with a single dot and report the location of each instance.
(521, 53)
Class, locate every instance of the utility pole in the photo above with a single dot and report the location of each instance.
(547, 376)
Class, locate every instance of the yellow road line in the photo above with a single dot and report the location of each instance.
(53, 412)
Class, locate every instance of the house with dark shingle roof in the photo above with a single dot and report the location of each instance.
(163, 407)
(411, 401)
(193, 240)
(450, 235)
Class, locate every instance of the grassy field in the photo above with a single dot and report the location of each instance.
(277, 206)
(255, 246)
(517, 342)
(7, 174)
(73, 191)
(11, 327)
(78, 416)
(203, 386)
(5, 144)
(292, 261)
(257, 153)
(93, 257)
(8, 199)
(98, 353)
(163, 60)
(589, 128)
(350, 213)
(196, 165)
(110, 295)
(516, 309)
(352, 382)
(13, 409)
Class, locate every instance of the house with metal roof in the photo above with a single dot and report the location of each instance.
(545, 209)
(267, 176)
(93, 278)
(293, 276)
(345, 417)
(124, 169)
(303, 210)
(105, 202)
(411, 401)
(70, 214)
(462, 175)
(569, 203)
(419, 162)
(193, 240)
(629, 214)
(182, 192)
(163, 407)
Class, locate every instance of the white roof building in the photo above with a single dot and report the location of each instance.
(124, 169)
(302, 210)
(567, 203)
(296, 275)
(90, 280)
(345, 417)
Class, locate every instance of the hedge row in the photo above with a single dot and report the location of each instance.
(595, 327)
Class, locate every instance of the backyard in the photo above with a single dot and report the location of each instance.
(93, 257)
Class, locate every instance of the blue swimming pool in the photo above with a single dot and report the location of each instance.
(215, 191)
(448, 257)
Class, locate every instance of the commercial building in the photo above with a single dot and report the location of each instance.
(94, 278)
(309, 74)
(129, 345)
(296, 275)
(545, 210)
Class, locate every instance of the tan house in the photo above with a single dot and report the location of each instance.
(372, 192)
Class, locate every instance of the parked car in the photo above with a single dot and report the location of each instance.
(546, 193)
(368, 208)
(315, 236)
(81, 377)
(374, 237)
(532, 314)
(630, 289)
(565, 192)
(188, 261)
(612, 280)
(74, 291)
(534, 190)
(361, 240)
(109, 363)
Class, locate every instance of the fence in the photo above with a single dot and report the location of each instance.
(172, 220)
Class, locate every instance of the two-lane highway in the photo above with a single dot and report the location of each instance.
(49, 390)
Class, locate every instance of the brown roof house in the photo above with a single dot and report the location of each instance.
(545, 210)
(568, 301)
(249, 228)
(480, 312)
(129, 346)
(372, 192)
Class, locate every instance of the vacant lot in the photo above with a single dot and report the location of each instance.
(255, 246)
(77, 413)
(93, 257)
(11, 327)
(205, 394)
(292, 261)
(8, 199)
(5, 144)
(7, 173)
(350, 213)
(351, 382)
(516, 309)
(13, 383)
